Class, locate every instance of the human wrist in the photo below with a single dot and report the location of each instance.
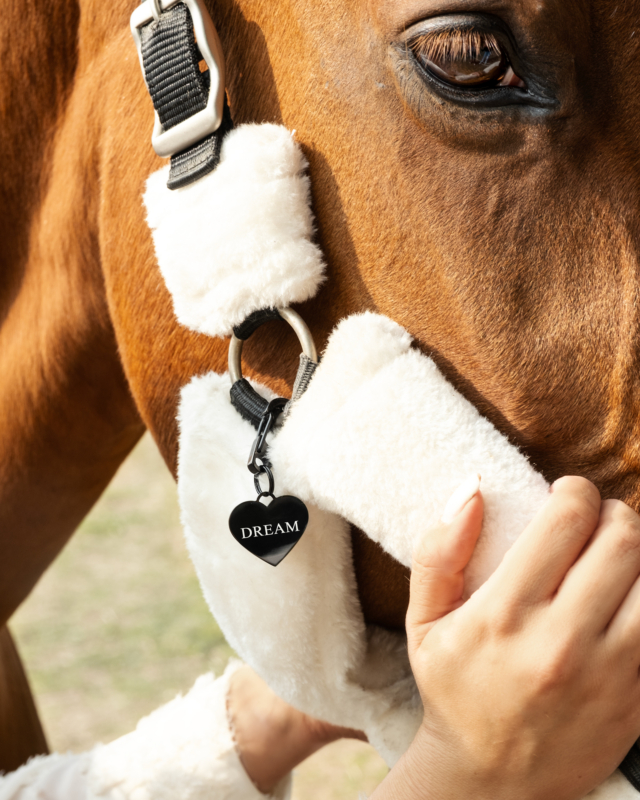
(258, 719)
(418, 775)
(432, 769)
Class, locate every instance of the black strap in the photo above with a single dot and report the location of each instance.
(200, 159)
(630, 767)
(247, 402)
(171, 66)
(179, 90)
(254, 321)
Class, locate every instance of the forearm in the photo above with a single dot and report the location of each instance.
(271, 737)
(186, 748)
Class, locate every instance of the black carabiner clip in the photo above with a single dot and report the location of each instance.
(259, 447)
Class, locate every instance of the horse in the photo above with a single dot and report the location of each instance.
(494, 217)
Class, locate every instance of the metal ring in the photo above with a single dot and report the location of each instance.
(302, 332)
(264, 470)
(265, 494)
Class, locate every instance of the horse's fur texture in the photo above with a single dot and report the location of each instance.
(182, 751)
(239, 239)
(21, 734)
(505, 240)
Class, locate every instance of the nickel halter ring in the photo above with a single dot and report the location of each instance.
(243, 396)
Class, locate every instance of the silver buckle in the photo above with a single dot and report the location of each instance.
(191, 130)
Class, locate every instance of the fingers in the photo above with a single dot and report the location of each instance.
(536, 565)
(608, 568)
(624, 629)
(437, 575)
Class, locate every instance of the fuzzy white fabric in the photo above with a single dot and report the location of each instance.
(239, 239)
(182, 751)
(383, 439)
(299, 624)
(380, 439)
(617, 787)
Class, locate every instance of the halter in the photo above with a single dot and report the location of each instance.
(184, 121)
(244, 397)
(173, 39)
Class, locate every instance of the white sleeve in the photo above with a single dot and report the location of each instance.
(182, 751)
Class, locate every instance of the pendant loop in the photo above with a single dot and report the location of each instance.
(265, 494)
(263, 470)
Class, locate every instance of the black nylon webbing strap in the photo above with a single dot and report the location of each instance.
(247, 402)
(254, 321)
(200, 159)
(179, 90)
(244, 398)
(171, 66)
(630, 767)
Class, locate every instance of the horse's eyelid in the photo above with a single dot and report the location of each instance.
(453, 44)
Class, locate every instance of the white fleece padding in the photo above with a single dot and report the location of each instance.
(617, 787)
(299, 624)
(182, 751)
(239, 239)
(380, 439)
(383, 439)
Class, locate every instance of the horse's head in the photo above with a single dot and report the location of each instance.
(475, 177)
(497, 223)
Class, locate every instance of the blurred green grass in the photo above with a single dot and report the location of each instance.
(118, 626)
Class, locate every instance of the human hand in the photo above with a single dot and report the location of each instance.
(531, 687)
(272, 737)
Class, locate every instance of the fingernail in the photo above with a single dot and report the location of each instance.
(460, 498)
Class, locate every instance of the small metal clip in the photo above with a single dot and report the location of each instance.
(259, 447)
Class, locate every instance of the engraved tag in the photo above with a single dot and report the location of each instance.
(269, 532)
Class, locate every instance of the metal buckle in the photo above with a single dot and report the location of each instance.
(191, 130)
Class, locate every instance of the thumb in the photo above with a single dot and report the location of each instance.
(437, 573)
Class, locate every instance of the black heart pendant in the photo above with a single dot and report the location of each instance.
(269, 532)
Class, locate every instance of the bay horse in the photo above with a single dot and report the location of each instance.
(500, 227)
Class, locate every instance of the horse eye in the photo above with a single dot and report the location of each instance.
(465, 58)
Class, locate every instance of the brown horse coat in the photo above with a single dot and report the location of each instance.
(505, 239)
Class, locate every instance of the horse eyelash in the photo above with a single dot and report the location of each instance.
(453, 45)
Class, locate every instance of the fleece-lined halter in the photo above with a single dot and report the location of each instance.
(233, 234)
